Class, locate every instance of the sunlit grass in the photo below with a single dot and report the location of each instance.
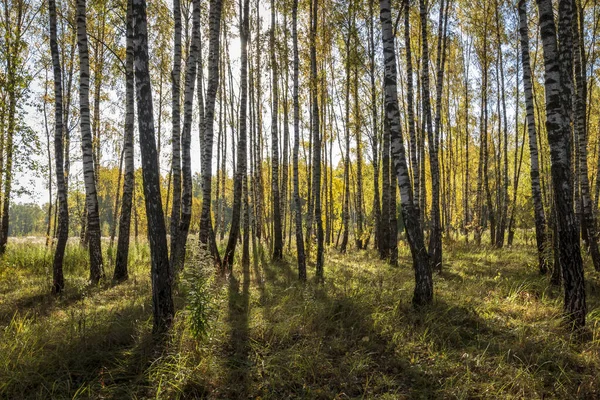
(494, 331)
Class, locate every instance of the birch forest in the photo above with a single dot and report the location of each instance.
(312, 199)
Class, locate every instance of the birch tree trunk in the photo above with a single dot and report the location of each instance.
(58, 282)
(176, 127)
(316, 159)
(207, 236)
(121, 272)
(557, 126)
(423, 293)
(579, 123)
(240, 172)
(414, 166)
(179, 243)
(275, 201)
(93, 218)
(162, 300)
(297, 203)
(536, 191)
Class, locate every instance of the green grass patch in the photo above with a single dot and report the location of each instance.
(494, 331)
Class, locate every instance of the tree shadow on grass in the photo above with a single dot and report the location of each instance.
(86, 355)
(319, 343)
(237, 349)
(41, 304)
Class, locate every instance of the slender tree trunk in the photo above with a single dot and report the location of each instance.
(121, 271)
(297, 203)
(176, 129)
(58, 282)
(423, 293)
(359, 162)
(93, 218)
(536, 192)
(316, 176)
(162, 300)
(206, 231)
(240, 173)
(374, 133)
(588, 222)
(178, 248)
(414, 166)
(275, 201)
(435, 240)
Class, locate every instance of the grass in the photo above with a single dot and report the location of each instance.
(494, 331)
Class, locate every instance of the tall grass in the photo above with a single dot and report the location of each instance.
(494, 331)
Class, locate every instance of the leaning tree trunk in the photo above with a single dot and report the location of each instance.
(91, 199)
(536, 191)
(423, 293)
(178, 244)
(240, 173)
(297, 203)
(121, 272)
(207, 235)
(558, 128)
(162, 300)
(58, 282)
(276, 202)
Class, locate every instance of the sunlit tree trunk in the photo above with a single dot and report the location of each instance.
(162, 300)
(179, 242)
(579, 123)
(121, 272)
(295, 96)
(240, 172)
(414, 166)
(275, 201)
(176, 127)
(316, 159)
(557, 126)
(423, 292)
(58, 282)
(206, 232)
(93, 218)
(536, 191)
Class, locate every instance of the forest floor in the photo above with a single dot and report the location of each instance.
(494, 331)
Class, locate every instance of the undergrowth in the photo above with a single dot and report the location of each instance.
(494, 331)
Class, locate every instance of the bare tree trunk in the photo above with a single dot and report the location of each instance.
(93, 218)
(536, 192)
(206, 232)
(240, 173)
(162, 300)
(316, 177)
(558, 128)
(588, 222)
(414, 166)
(179, 243)
(423, 293)
(297, 203)
(275, 201)
(121, 272)
(58, 282)
(176, 128)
